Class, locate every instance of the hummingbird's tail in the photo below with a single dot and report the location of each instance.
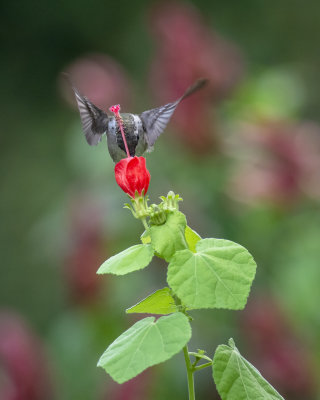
(199, 84)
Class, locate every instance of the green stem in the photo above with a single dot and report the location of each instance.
(189, 373)
(145, 224)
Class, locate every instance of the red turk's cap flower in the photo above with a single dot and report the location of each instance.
(132, 175)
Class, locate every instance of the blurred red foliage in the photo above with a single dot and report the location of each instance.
(273, 347)
(277, 162)
(186, 50)
(23, 367)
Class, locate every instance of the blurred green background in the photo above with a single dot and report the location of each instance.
(244, 154)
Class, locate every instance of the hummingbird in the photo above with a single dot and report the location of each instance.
(141, 130)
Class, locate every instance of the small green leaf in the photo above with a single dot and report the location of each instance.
(218, 275)
(145, 238)
(132, 259)
(200, 354)
(159, 302)
(192, 238)
(237, 379)
(169, 237)
(146, 343)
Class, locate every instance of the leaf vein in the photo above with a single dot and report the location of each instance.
(219, 279)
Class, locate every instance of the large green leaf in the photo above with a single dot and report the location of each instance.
(218, 275)
(159, 302)
(192, 238)
(237, 379)
(169, 237)
(129, 260)
(146, 343)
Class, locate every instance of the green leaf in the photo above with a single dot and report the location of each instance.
(146, 343)
(192, 238)
(169, 237)
(132, 259)
(159, 302)
(218, 275)
(237, 379)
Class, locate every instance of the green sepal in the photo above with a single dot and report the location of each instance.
(148, 342)
(236, 378)
(218, 275)
(159, 302)
(157, 215)
(132, 259)
(139, 205)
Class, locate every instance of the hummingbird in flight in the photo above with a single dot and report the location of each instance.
(141, 130)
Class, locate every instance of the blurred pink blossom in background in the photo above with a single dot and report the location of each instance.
(273, 348)
(276, 162)
(100, 78)
(187, 49)
(23, 366)
(138, 388)
(86, 250)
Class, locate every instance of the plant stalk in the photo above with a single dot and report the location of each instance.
(190, 371)
(145, 224)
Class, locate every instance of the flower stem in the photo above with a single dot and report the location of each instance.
(145, 223)
(189, 373)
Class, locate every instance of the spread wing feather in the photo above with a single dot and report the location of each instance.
(94, 121)
(156, 120)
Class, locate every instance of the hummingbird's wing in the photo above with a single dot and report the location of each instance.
(94, 121)
(156, 120)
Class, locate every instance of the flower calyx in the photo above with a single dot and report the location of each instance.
(139, 206)
(171, 202)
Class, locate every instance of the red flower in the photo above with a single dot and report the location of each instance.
(132, 175)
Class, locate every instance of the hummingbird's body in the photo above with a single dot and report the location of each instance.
(141, 131)
(134, 133)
